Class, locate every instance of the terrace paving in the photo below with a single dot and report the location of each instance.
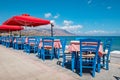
(17, 65)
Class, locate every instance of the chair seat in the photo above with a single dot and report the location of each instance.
(66, 51)
(104, 53)
(32, 44)
(48, 47)
(19, 42)
(88, 55)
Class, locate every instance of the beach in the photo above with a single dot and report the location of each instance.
(17, 65)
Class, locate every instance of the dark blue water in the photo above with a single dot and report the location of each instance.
(115, 43)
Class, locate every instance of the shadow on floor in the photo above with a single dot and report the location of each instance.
(117, 78)
(68, 66)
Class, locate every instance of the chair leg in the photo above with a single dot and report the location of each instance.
(107, 64)
(42, 54)
(76, 61)
(93, 73)
(64, 60)
(51, 54)
(58, 54)
(103, 60)
(21, 46)
(39, 53)
(28, 50)
(34, 50)
(51, 57)
(80, 67)
(94, 67)
(17, 46)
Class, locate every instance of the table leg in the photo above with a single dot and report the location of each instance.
(73, 61)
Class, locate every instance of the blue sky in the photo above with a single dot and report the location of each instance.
(84, 17)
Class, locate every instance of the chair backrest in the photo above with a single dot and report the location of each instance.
(11, 38)
(89, 46)
(32, 40)
(7, 38)
(107, 45)
(23, 39)
(19, 40)
(48, 42)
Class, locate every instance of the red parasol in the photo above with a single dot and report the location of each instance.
(10, 28)
(27, 20)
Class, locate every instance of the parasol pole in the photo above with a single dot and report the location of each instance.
(52, 29)
(10, 33)
(20, 33)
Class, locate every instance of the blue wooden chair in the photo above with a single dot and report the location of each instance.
(88, 54)
(32, 45)
(9, 41)
(19, 43)
(4, 40)
(47, 48)
(106, 54)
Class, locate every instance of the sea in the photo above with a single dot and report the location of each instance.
(115, 40)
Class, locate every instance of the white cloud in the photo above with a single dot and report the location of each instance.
(109, 7)
(100, 32)
(56, 16)
(72, 28)
(96, 32)
(89, 1)
(53, 21)
(47, 15)
(50, 15)
(43, 27)
(67, 22)
(47, 26)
